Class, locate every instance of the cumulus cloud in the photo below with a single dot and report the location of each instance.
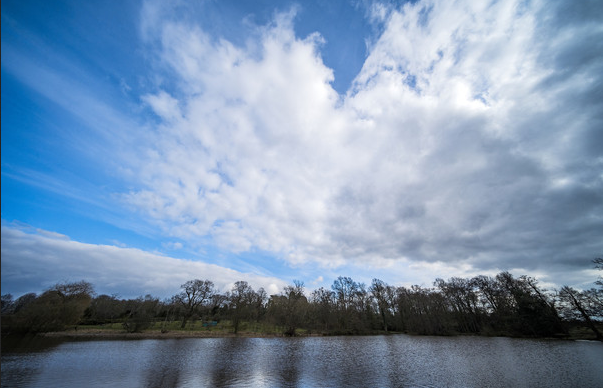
(469, 136)
(33, 260)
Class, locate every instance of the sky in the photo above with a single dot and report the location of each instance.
(147, 143)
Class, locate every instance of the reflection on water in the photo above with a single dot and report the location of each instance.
(376, 361)
(161, 370)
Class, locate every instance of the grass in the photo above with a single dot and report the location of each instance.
(223, 327)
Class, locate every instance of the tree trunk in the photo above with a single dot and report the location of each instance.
(589, 322)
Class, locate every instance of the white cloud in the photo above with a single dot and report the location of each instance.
(164, 105)
(35, 260)
(449, 147)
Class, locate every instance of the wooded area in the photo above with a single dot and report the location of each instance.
(500, 305)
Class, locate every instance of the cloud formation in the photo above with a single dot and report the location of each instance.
(34, 260)
(472, 134)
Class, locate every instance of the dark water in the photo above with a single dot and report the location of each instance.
(375, 361)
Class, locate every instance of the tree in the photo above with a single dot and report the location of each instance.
(23, 301)
(76, 298)
(424, 310)
(363, 306)
(290, 308)
(533, 313)
(258, 304)
(42, 315)
(7, 304)
(58, 307)
(140, 313)
(105, 308)
(490, 294)
(217, 303)
(75, 289)
(240, 299)
(345, 291)
(322, 305)
(583, 305)
(379, 291)
(462, 299)
(194, 294)
(586, 305)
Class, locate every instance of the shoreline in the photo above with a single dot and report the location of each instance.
(97, 334)
(154, 334)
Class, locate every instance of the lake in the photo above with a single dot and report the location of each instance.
(371, 361)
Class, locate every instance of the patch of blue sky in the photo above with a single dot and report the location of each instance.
(411, 81)
(48, 209)
(345, 30)
(48, 185)
(343, 25)
(91, 35)
(424, 15)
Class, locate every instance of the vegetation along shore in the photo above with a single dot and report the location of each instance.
(502, 305)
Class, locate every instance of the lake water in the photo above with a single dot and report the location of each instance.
(372, 361)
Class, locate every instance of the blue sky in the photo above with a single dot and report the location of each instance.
(147, 143)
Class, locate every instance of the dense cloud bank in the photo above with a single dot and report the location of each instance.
(471, 134)
(34, 260)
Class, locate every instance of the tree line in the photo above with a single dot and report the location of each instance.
(499, 305)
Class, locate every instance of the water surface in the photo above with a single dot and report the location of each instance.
(372, 361)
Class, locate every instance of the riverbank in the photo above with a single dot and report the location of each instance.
(157, 334)
(101, 334)
(225, 329)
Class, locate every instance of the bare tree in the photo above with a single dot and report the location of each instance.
(461, 297)
(194, 293)
(379, 291)
(584, 305)
(240, 299)
(75, 289)
(140, 313)
(322, 302)
(290, 308)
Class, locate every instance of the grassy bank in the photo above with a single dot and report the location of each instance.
(225, 329)
(173, 329)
